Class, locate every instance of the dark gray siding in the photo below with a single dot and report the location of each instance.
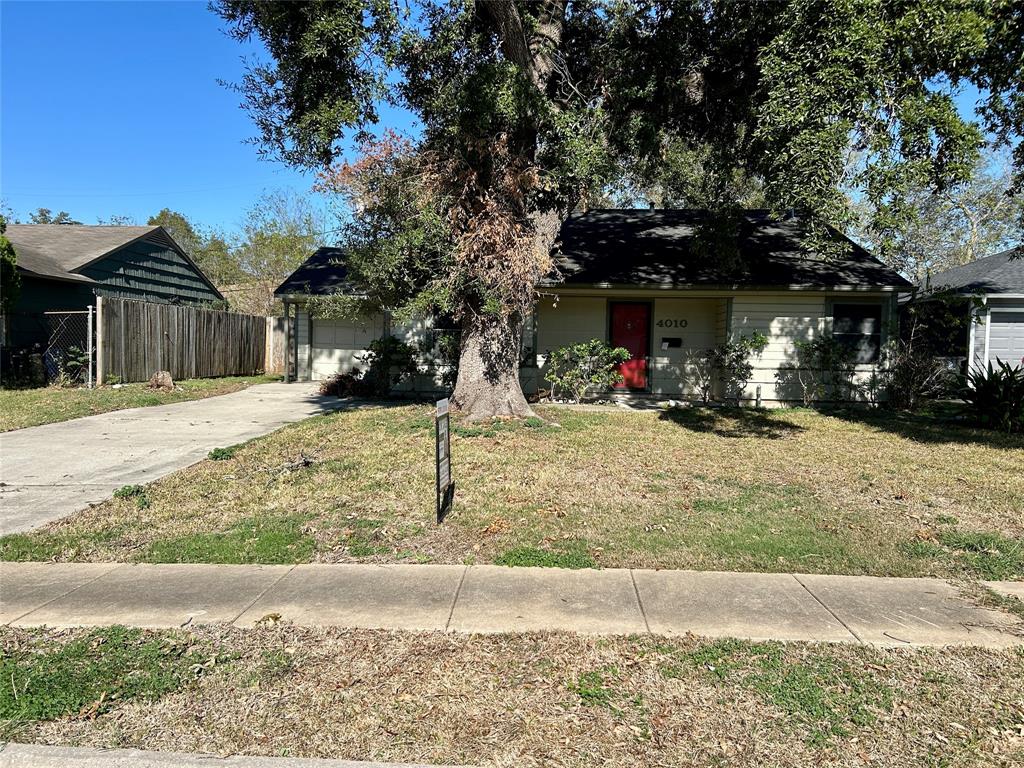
(27, 325)
(150, 271)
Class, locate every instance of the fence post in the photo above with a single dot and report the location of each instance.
(88, 346)
(99, 341)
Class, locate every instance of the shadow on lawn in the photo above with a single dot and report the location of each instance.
(732, 422)
(924, 428)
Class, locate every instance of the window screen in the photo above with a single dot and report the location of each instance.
(859, 327)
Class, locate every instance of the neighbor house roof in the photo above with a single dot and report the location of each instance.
(72, 246)
(999, 273)
(58, 251)
(322, 273)
(668, 248)
(675, 248)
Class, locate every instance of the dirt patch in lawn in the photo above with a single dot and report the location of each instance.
(731, 490)
(556, 699)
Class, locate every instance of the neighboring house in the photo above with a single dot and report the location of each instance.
(64, 267)
(650, 281)
(997, 285)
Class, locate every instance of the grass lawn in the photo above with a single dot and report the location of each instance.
(713, 490)
(509, 700)
(31, 407)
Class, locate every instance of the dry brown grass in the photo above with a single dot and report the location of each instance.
(566, 700)
(780, 491)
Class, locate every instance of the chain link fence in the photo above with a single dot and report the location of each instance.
(50, 348)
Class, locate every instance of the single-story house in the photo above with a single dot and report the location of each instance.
(651, 281)
(997, 285)
(64, 267)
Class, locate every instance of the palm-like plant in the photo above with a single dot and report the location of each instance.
(996, 396)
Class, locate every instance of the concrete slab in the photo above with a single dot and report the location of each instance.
(753, 606)
(53, 470)
(366, 596)
(39, 756)
(159, 596)
(889, 611)
(24, 587)
(1007, 588)
(497, 599)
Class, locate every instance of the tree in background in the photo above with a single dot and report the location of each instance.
(209, 249)
(279, 232)
(10, 280)
(954, 226)
(528, 108)
(46, 216)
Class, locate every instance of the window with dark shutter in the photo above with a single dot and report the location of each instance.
(859, 327)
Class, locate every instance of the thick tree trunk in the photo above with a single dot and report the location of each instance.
(488, 384)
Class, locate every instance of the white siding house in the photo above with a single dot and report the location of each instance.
(996, 283)
(651, 293)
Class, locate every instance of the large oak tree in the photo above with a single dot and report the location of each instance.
(527, 108)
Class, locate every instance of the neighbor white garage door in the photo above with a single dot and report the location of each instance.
(1006, 337)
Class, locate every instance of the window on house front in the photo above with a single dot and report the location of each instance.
(859, 327)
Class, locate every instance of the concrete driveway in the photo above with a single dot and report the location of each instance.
(51, 471)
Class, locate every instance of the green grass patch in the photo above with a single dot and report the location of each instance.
(223, 454)
(264, 540)
(569, 555)
(42, 545)
(986, 555)
(827, 697)
(21, 408)
(93, 673)
(592, 689)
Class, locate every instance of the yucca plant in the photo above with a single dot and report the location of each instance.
(996, 396)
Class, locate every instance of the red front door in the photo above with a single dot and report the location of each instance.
(631, 328)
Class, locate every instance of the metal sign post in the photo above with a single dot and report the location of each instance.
(445, 486)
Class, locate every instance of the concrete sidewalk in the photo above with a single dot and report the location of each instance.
(854, 609)
(38, 756)
(51, 471)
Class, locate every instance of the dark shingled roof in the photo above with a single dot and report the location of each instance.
(998, 273)
(322, 273)
(663, 248)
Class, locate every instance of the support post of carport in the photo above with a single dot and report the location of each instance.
(287, 342)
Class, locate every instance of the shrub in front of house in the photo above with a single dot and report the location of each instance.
(823, 367)
(579, 369)
(731, 362)
(995, 397)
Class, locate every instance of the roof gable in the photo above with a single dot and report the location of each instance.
(322, 273)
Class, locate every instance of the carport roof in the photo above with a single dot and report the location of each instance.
(999, 273)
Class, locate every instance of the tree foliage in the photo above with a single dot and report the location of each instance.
(527, 109)
(47, 216)
(10, 280)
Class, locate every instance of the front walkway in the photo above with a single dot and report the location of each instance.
(51, 471)
(789, 607)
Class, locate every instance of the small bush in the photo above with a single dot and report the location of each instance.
(223, 454)
(129, 492)
(389, 361)
(823, 366)
(731, 362)
(995, 397)
(915, 375)
(580, 368)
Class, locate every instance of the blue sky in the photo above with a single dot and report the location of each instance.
(114, 108)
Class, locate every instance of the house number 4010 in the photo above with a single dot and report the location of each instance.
(671, 323)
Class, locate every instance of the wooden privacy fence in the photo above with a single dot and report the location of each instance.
(137, 338)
